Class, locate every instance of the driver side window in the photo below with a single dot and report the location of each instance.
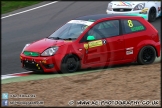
(103, 30)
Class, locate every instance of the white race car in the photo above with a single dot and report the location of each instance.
(150, 10)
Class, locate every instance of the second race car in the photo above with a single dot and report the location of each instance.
(150, 9)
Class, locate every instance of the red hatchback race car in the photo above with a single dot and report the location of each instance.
(93, 41)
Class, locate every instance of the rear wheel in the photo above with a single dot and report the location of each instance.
(146, 55)
(152, 15)
(69, 64)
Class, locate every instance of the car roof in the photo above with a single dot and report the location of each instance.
(98, 16)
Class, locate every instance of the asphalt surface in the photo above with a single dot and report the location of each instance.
(37, 24)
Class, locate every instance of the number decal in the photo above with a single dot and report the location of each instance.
(130, 24)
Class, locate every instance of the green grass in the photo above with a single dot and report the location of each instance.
(9, 6)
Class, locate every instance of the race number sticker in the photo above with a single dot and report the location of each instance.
(95, 43)
(130, 24)
(134, 28)
(86, 46)
(129, 51)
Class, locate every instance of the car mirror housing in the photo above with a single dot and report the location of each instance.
(90, 38)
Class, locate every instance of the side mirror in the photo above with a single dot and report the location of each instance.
(90, 38)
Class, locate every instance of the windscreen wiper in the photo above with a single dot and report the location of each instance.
(57, 38)
(70, 38)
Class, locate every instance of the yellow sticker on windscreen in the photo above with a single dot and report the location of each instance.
(95, 43)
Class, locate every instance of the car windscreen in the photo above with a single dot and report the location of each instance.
(71, 30)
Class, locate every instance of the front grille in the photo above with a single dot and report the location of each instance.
(29, 53)
(121, 9)
(31, 65)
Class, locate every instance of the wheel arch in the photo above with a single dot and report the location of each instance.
(154, 6)
(149, 59)
(146, 43)
(72, 54)
(150, 5)
(62, 66)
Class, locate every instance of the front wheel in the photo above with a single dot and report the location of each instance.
(146, 55)
(152, 15)
(69, 64)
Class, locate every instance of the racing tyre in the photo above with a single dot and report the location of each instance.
(70, 64)
(146, 55)
(152, 15)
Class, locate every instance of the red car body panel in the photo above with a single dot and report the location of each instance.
(109, 54)
(41, 45)
(49, 60)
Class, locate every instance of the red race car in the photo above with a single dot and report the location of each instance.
(93, 41)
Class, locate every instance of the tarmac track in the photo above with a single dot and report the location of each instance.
(34, 25)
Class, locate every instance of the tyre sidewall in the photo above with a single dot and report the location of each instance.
(64, 64)
(140, 58)
(150, 19)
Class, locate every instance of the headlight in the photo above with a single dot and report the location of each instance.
(25, 47)
(139, 6)
(50, 51)
(109, 7)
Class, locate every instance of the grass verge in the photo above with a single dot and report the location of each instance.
(9, 6)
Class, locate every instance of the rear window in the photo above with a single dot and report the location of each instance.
(130, 26)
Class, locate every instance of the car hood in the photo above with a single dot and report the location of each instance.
(43, 44)
(125, 4)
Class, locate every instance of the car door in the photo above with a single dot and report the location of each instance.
(95, 51)
(115, 42)
(108, 45)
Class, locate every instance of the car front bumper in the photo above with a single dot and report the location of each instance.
(143, 14)
(41, 64)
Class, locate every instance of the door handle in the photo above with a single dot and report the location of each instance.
(119, 40)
